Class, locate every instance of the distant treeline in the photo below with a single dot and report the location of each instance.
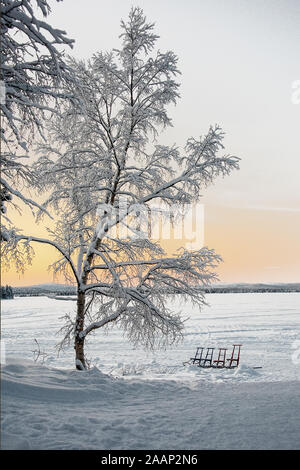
(241, 290)
(40, 291)
(6, 292)
(252, 288)
(35, 291)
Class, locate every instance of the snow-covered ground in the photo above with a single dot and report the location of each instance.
(132, 399)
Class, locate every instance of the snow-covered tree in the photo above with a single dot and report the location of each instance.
(32, 65)
(103, 150)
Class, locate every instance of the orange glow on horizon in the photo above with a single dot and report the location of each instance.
(256, 246)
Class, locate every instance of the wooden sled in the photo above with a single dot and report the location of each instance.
(206, 359)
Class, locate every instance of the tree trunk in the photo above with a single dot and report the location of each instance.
(79, 342)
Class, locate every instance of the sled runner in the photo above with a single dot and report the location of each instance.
(220, 362)
(198, 356)
(235, 356)
(205, 359)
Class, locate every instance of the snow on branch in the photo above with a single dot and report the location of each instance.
(32, 70)
(28, 82)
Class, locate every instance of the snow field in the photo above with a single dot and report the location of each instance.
(131, 399)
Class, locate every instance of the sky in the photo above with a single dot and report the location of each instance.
(240, 69)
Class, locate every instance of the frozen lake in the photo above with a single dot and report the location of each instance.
(268, 326)
(159, 405)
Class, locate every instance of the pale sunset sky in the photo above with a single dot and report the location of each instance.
(239, 61)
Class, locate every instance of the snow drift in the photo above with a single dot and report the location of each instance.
(47, 408)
